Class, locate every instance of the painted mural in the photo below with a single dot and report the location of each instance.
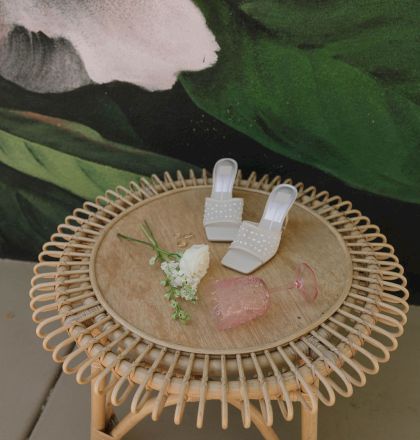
(96, 93)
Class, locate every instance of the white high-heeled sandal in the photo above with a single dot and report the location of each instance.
(222, 212)
(257, 243)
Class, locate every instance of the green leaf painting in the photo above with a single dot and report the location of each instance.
(48, 166)
(30, 212)
(71, 156)
(333, 84)
(89, 105)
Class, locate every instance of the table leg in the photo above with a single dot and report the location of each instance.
(257, 419)
(309, 424)
(127, 423)
(267, 432)
(100, 413)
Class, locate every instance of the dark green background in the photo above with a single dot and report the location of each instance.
(326, 92)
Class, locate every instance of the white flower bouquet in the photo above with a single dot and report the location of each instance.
(183, 270)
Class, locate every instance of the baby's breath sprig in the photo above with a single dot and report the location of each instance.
(179, 285)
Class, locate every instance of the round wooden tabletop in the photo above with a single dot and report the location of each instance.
(94, 289)
(130, 290)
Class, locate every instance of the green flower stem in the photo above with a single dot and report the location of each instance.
(161, 254)
(148, 233)
(126, 237)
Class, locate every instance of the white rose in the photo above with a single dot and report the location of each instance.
(195, 262)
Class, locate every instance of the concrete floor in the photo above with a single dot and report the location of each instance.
(38, 402)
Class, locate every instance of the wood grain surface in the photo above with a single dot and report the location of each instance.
(130, 290)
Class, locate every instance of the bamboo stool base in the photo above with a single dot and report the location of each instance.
(102, 418)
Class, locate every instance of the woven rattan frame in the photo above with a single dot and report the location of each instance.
(331, 359)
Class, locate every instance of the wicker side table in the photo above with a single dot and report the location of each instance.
(93, 289)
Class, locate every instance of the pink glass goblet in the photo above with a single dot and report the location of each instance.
(305, 282)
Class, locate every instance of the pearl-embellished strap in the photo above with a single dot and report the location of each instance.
(216, 211)
(257, 241)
